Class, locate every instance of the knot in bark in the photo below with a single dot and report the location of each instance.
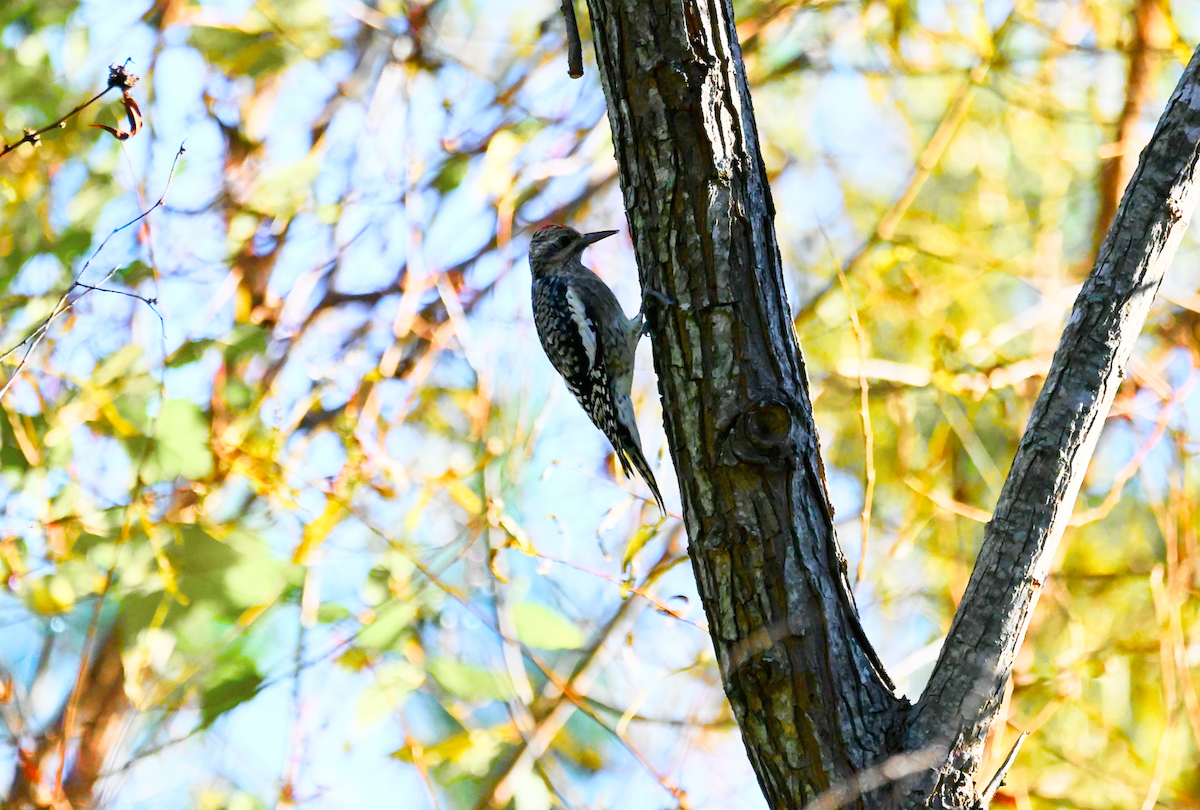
(763, 435)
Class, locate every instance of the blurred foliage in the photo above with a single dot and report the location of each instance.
(354, 538)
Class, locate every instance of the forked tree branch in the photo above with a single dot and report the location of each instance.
(818, 715)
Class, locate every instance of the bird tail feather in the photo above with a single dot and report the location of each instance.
(633, 457)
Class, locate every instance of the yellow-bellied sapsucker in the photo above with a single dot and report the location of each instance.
(588, 339)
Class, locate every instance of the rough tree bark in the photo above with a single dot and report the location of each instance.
(818, 714)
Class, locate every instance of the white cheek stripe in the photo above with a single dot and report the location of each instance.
(586, 332)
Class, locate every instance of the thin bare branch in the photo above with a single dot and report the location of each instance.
(65, 302)
(864, 407)
(997, 779)
(118, 77)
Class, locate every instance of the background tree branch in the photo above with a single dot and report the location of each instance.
(965, 690)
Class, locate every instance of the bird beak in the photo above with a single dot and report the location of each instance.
(591, 238)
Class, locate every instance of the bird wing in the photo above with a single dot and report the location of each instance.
(585, 323)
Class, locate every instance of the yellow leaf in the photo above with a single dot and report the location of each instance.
(496, 572)
(640, 538)
(316, 532)
(120, 425)
(52, 595)
(465, 497)
(251, 613)
(520, 538)
(354, 659)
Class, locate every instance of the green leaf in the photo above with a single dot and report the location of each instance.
(234, 681)
(245, 340)
(469, 682)
(189, 352)
(389, 623)
(238, 394)
(255, 580)
(238, 52)
(394, 681)
(181, 444)
(135, 272)
(331, 612)
(452, 173)
(542, 627)
(132, 408)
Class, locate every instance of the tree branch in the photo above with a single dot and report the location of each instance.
(964, 692)
(118, 77)
(574, 46)
(65, 302)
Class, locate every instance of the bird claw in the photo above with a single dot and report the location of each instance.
(662, 298)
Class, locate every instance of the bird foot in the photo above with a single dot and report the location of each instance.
(661, 297)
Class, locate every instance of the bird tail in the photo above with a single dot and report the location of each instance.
(629, 453)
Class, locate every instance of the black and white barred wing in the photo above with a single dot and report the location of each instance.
(567, 329)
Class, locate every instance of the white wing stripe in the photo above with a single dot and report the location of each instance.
(586, 332)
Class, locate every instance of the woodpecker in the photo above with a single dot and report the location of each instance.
(588, 339)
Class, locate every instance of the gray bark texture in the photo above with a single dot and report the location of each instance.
(820, 719)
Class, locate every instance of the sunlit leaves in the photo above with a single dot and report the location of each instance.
(285, 190)
(181, 444)
(539, 626)
(386, 625)
(234, 680)
(240, 53)
(337, 475)
(469, 682)
(51, 595)
(392, 683)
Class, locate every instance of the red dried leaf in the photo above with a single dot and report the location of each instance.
(134, 115)
(116, 133)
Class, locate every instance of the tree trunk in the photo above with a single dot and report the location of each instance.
(817, 711)
(101, 714)
(812, 700)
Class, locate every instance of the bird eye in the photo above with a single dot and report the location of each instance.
(550, 241)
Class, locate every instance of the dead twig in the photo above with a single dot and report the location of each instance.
(997, 780)
(118, 77)
(574, 46)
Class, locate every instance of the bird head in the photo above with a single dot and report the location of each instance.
(554, 245)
